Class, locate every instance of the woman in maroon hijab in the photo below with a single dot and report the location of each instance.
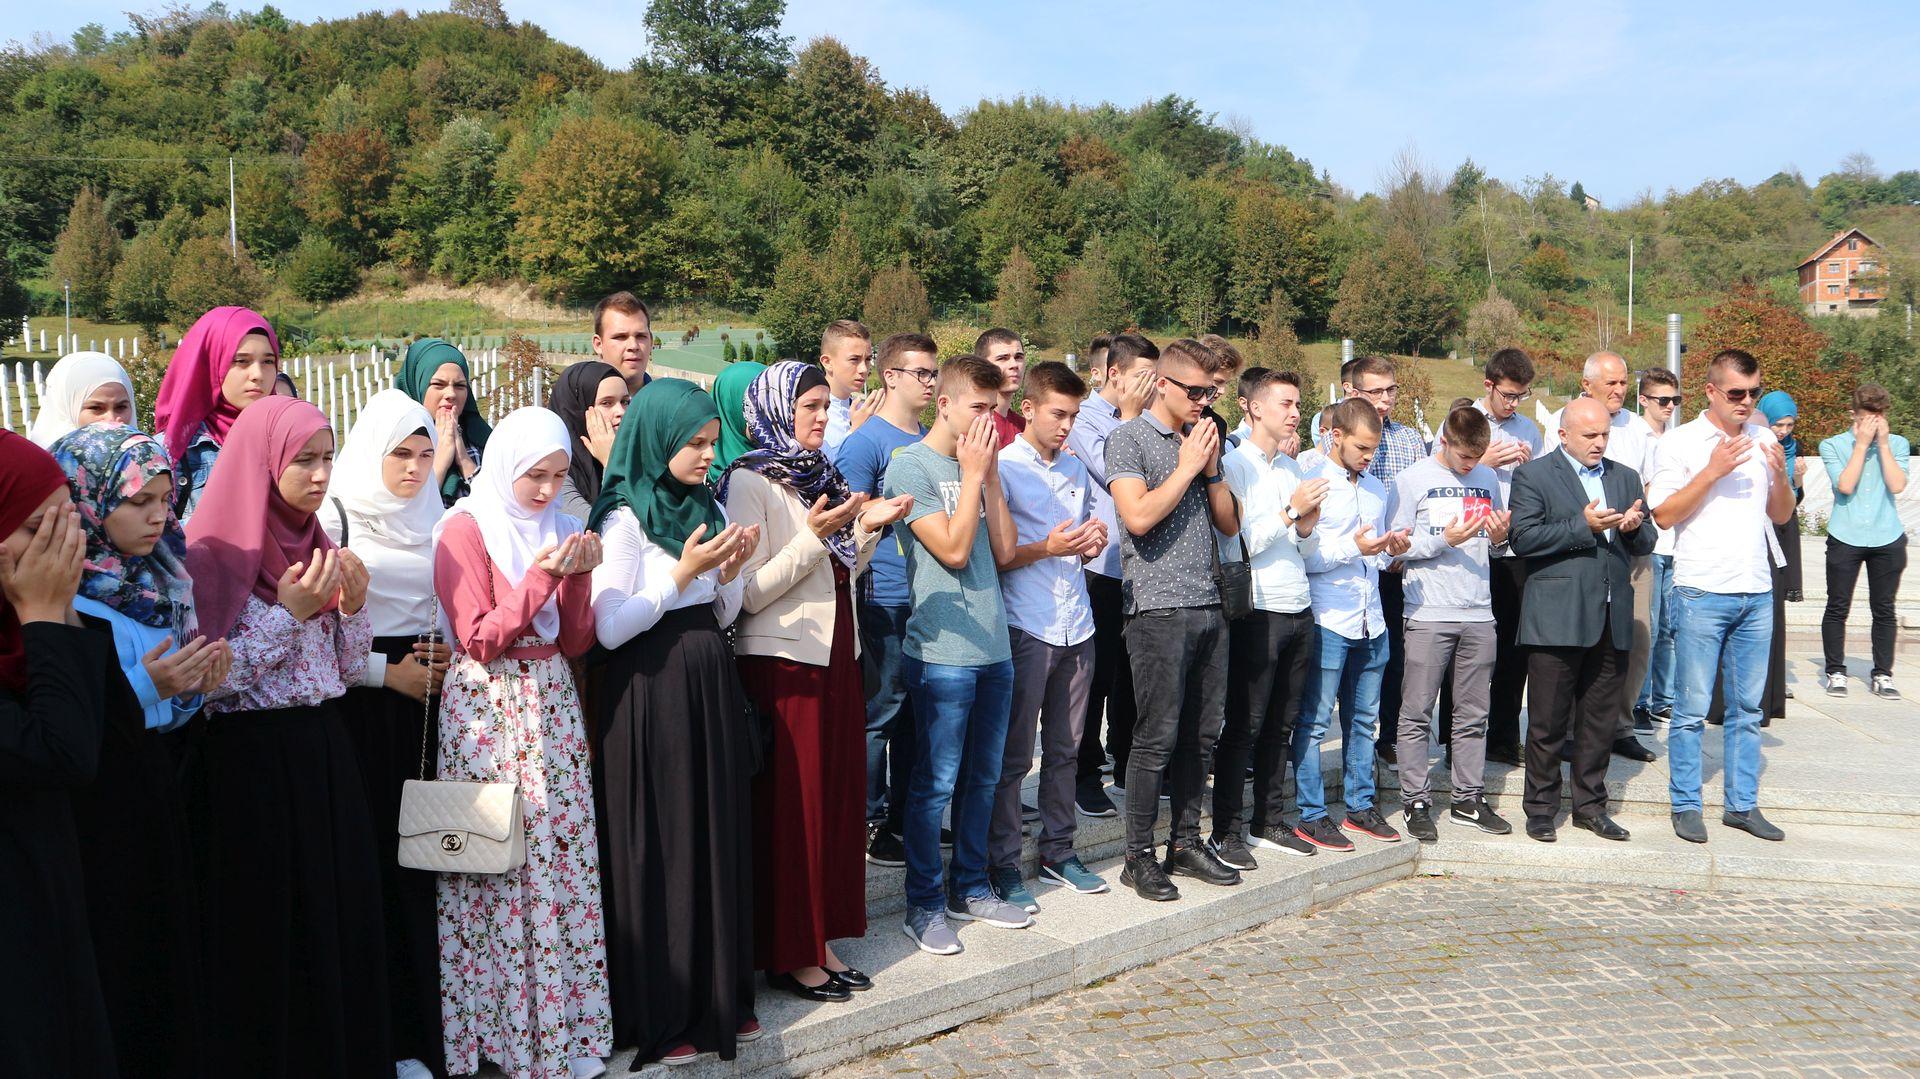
(291, 888)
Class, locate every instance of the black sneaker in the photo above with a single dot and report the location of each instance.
(1322, 833)
(1233, 851)
(946, 839)
(1506, 755)
(1144, 875)
(1094, 803)
(1280, 839)
(885, 848)
(1195, 860)
(1476, 812)
(1420, 823)
(1369, 823)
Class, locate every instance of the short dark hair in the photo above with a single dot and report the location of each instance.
(1052, 376)
(624, 302)
(968, 371)
(1510, 365)
(1354, 414)
(1190, 351)
(1467, 429)
(1346, 371)
(1230, 358)
(1739, 361)
(1872, 397)
(841, 330)
(1460, 402)
(1128, 347)
(1291, 378)
(894, 349)
(999, 335)
(1368, 365)
(1657, 376)
(1099, 344)
(1251, 381)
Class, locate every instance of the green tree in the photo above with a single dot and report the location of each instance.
(1549, 268)
(13, 298)
(1026, 209)
(85, 255)
(590, 205)
(1391, 301)
(1017, 302)
(896, 302)
(1275, 345)
(319, 272)
(841, 275)
(792, 310)
(343, 186)
(727, 353)
(206, 275)
(714, 57)
(1493, 324)
(835, 105)
(1276, 245)
(1791, 353)
(1577, 194)
(140, 283)
(1086, 300)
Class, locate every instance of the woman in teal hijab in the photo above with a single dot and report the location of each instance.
(435, 373)
(674, 753)
(730, 391)
(1782, 415)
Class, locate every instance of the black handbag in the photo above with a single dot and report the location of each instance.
(1233, 579)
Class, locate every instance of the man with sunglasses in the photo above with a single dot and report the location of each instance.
(1720, 483)
(909, 366)
(1374, 380)
(1170, 494)
(1660, 399)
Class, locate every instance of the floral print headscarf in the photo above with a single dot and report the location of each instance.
(780, 457)
(105, 466)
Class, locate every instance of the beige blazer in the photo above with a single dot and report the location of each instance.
(788, 611)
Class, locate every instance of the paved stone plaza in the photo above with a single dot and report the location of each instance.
(1449, 977)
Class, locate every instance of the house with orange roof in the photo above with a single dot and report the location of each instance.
(1846, 276)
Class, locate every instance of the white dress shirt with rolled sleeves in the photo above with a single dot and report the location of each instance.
(1265, 489)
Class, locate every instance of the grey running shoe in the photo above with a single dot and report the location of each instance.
(927, 927)
(988, 908)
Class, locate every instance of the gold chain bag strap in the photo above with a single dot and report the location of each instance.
(459, 826)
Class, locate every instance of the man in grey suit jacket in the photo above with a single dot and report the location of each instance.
(1577, 520)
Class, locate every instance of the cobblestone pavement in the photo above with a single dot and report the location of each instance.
(1449, 978)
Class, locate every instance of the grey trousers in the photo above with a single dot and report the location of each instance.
(1050, 687)
(1641, 654)
(1431, 646)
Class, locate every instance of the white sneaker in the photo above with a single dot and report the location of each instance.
(1836, 684)
(412, 1069)
(587, 1067)
(1883, 687)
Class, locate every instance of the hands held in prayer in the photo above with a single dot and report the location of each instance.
(42, 582)
(1728, 454)
(864, 407)
(1290, 444)
(1776, 461)
(1306, 502)
(1199, 448)
(1464, 527)
(308, 586)
(1506, 452)
(727, 551)
(1393, 543)
(578, 553)
(1630, 520)
(1497, 524)
(353, 583)
(1600, 518)
(1086, 539)
(197, 668)
(881, 512)
(825, 520)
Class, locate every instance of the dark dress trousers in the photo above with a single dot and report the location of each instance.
(1576, 620)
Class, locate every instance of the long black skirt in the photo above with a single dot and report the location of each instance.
(295, 942)
(385, 727)
(672, 797)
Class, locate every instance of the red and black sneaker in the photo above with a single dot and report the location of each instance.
(1369, 823)
(1322, 833)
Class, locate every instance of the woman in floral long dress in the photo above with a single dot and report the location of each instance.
(523, 961)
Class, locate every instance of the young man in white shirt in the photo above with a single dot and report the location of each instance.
(1451, 506)
(846, 355)
(623, 337)
(1268, 649)
(1051, 625)
(1721, 485)
(1349, 653)
(1660, 399)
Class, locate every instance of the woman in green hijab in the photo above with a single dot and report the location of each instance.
(730, 390)
(435, 374)
(673, 751)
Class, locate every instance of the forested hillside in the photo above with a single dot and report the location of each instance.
(736, 168)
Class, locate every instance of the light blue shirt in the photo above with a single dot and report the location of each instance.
(1345, 584)
(131, 641)
(1046, 598)
(1088, 441)
(1592, 481)
(839, 421)
(1868, 516)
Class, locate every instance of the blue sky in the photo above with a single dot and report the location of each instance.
(1625, 97)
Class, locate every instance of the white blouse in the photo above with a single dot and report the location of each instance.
(634, 586)
(399, 582)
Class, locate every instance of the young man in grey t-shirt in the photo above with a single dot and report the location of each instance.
(1452, 507)
(958, 662)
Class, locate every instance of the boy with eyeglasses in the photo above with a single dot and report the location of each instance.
(908, 368)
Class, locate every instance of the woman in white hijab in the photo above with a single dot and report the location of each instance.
(83, 389)
(383, 506)
(514, 576)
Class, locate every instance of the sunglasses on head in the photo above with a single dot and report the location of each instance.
(1199, 395)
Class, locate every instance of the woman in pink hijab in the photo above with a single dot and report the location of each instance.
(291, 884)
(227, 361)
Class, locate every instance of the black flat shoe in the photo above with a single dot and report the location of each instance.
(1540, 828)
(1603, 826)
(829, 991)
(851, 978)
(1631, 749)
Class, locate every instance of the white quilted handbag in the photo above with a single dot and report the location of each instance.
(450, 826)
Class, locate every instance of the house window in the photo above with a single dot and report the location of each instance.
(1853, 245)
(1833, 268)
(1833, 290)
(1868, 266)
(1833, 307)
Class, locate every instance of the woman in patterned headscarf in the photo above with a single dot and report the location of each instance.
(799, 659)
(133, 821)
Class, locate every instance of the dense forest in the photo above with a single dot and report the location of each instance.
(734, 168)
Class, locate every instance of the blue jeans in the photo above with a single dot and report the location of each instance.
(889, 713)
(1725, 636)
(1656, 692)
(961, 717)
(1347, 672)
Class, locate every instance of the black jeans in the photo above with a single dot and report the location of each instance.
(1179, 661)
(1266, 670)
(1393, 606)
(1112, 691)
(1884, 566)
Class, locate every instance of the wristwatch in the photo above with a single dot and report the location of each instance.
(1293, 515)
